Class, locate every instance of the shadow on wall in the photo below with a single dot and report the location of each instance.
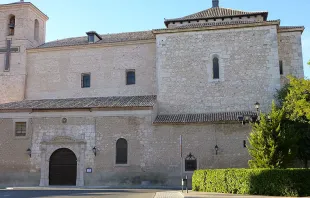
(126, 179)
(19, 179)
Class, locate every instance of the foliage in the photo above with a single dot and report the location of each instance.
(272, 141)
(297, 101)
(272, 182)
(281, 95)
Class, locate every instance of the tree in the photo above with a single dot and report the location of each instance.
(272, 141)
(297, 101)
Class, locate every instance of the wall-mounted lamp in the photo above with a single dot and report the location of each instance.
(29, 152)
(257, 105)
(95, 151)
(216, 149)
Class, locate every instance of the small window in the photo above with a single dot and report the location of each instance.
(281, 67)
(131, 77)
(36, 30)
(11, 25)
(20, 129)
(91, 38)
(216, 68)
(121, 151)
(190, 163)
(85, 80)
(244, 143)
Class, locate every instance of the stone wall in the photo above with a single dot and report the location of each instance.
(153, 151)
(290, 52)
(12, 83)
(15, 163)
(57, 74)
(249, 70)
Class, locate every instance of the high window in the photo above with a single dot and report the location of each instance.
(11, 25)
(130, 77)
(121, 151)
(281, 67)
(85, 80)
(190, 163)
(216, 68)
(20, 129)
(36, 30)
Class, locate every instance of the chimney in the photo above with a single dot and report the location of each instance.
(21, 1)
(215, 3)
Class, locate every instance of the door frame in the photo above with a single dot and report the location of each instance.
(58, 142)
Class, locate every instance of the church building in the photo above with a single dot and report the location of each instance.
(136, 108)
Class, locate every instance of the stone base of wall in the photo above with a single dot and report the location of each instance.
(19, 179)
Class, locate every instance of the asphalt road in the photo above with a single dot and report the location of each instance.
(57, 193)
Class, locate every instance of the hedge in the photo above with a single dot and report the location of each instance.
(272, 182)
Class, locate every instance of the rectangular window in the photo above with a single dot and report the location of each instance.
(85, 80)
(281, 67)
(130, 77)
(20, 129)
(190, 165)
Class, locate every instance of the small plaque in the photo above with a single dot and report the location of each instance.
(89, 170)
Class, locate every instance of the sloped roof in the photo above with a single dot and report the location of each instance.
(217, 12)
(82, 103)
(106, 38)
(201, 118)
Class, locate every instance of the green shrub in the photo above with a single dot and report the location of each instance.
(272, 182)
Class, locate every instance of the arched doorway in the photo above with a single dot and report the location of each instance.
(62, 168)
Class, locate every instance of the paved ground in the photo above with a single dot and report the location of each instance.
(77, 193)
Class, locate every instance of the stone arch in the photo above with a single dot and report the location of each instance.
(50, 146)
(36, 30)
(62, 167)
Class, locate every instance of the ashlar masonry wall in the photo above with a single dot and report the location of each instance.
(249, 70)
(57, 74)
(290, 53)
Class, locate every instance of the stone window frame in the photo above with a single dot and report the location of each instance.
(120, 165)
(27, 128)
(82, 80)
(189, 172)
(210, 68)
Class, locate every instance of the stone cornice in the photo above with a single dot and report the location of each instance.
(234, 26)
(87, 46)
(25, 4)
(292, 29)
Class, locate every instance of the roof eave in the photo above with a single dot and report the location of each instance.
(160, 31)
(167, 21)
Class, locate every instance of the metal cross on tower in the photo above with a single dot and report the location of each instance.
(8, 50)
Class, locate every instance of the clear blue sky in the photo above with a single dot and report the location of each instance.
(70, 18)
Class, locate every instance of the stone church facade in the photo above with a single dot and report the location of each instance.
(114, 109)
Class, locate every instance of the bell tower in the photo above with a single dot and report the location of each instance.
(22, 26)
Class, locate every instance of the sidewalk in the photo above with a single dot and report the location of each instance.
(192, 194)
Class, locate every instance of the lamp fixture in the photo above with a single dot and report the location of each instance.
(29, 152)
(95, 151)
(216, 149)
(257, 105)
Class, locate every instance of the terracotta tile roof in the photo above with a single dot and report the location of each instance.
(82, 103)
(222, 23)
(217, 12)
(200, 118)
(106, 38)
